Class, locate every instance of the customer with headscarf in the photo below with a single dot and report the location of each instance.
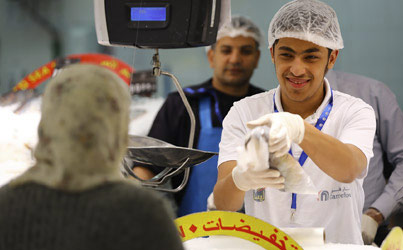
(75, 196)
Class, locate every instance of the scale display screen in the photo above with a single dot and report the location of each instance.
(148, 14)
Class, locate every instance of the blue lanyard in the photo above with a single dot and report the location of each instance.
(319, 125)
(214, 94)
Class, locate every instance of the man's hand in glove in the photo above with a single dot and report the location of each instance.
(285, 128)
(252, 169)
(370, 222)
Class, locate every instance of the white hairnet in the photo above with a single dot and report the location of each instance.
(308, 20)
(240, 26)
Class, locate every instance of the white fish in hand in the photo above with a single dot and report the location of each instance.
(296, 179)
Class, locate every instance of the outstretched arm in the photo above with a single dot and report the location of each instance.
(343, 162)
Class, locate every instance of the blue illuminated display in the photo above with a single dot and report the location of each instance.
(148, 14)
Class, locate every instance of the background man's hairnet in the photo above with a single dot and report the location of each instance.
(240, 26)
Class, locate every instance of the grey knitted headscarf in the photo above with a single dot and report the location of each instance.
(83, 132)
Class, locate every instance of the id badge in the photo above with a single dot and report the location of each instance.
(259, 194)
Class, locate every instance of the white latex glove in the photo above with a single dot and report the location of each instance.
(368, 229)
(252, 170)
(284, 129)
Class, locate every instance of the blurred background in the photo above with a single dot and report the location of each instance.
(34, 32)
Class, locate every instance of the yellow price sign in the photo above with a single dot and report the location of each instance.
(394, 240)
(237, 225)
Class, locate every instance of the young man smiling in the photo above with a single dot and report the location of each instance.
(328, 132)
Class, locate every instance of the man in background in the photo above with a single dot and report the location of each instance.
(233, 59)
(383, 186)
